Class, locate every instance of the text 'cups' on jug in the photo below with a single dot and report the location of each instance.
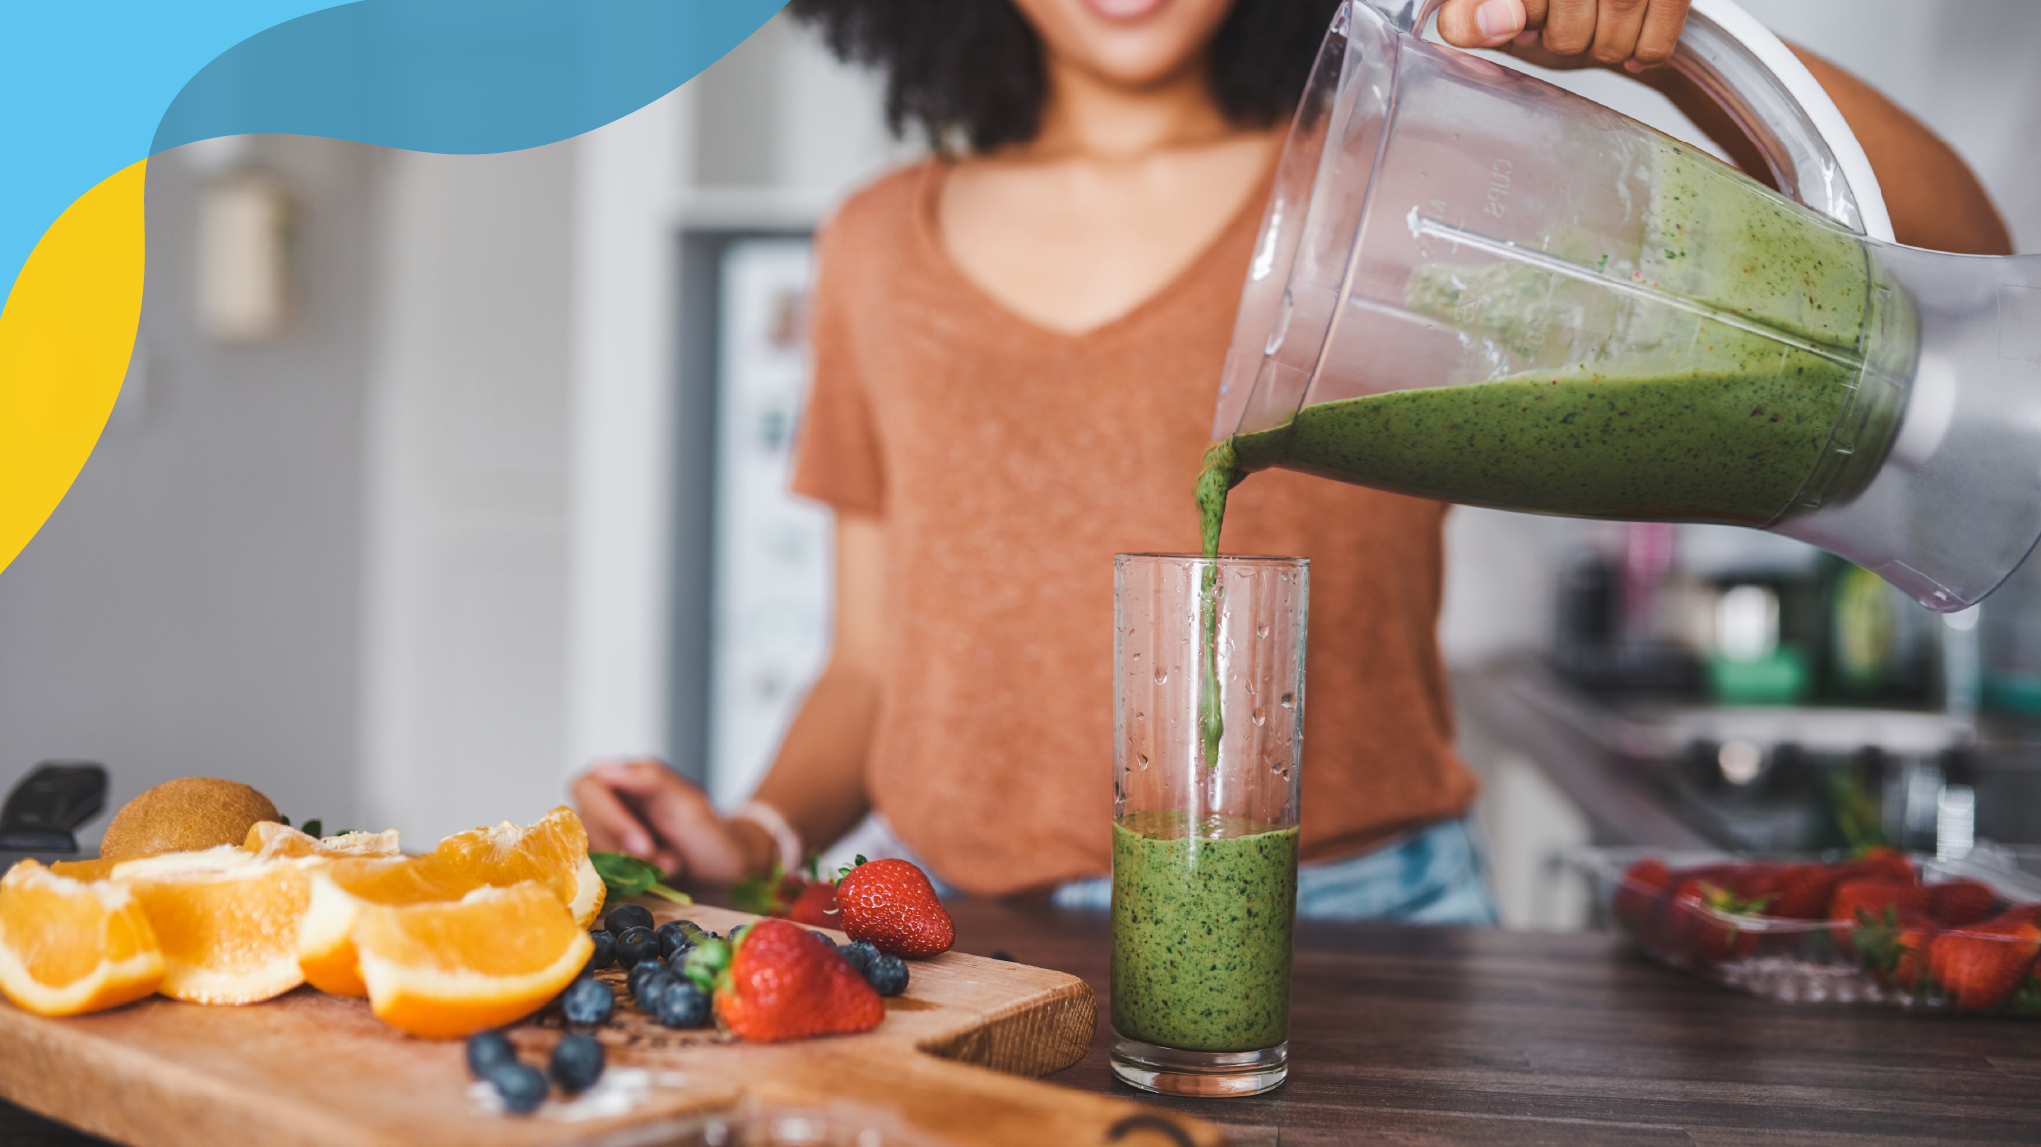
(1474, 286)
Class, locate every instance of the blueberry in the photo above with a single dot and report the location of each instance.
(635, 979)
(887, 974)
(678, 961)
(625, 917)
(588, 1002)
(737, 931)
(605, 949)
(860, 953)
(683, 1006)
(655, 989)
(824, 937)
(673, 938)
(522, 1087)
(577, 1063)
(487, 1050)
(635, 946)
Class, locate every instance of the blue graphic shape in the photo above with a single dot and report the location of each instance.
(457, 76)
(83, 87)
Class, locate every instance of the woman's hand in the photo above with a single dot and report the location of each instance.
(1636, 34)
(643, 808)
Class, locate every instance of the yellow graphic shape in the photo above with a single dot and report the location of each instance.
(65, 338)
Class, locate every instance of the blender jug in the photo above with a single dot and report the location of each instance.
(1474, 286)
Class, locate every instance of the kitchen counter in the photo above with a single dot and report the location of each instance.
(1462, 1036)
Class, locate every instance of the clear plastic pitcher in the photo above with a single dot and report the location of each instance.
(1474, 286)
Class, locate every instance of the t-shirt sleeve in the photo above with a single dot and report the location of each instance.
(836, 454)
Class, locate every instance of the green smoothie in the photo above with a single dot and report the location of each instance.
(1662, 403)
(1202, 926)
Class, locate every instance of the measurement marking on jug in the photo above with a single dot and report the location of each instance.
(1498, 187)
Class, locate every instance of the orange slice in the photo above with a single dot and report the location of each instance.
(269, 839)
(68, 946)
(443, 970)
(326, 950)
(553, 851)
(226, 919)
(98, 869)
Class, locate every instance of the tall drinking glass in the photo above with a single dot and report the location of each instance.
(1208, 718)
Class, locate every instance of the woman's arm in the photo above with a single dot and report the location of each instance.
(1933, 197)
(816, 782)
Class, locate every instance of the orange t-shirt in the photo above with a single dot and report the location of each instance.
(1007, 464)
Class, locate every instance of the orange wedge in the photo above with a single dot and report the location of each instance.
(552, 851)
(442, 970)
(226, 919)
(269, 839)
(97, 869)
(68, 946)
(326, 950)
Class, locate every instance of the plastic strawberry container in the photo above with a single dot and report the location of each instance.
(1898, 953)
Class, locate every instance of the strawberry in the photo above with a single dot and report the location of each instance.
(816, 906)
(1865, 902)
(1881, 862)
(1642, 883)
(1701, 905)
(1804, 891)
(1895, 947)
(1981, 965)
(1956, 903)
(891, 904)
(783, 983)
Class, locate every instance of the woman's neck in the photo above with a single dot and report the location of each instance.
(1090, 117)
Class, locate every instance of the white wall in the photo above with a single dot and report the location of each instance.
(467, 461)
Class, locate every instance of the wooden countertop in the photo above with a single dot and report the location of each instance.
(1460, 1036)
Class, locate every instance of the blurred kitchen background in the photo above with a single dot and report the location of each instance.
(435, 477)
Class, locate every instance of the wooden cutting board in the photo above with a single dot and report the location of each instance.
(314, 1069)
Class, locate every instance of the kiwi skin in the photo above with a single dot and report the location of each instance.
(185, 815)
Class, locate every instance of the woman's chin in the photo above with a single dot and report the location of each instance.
(1125, 9)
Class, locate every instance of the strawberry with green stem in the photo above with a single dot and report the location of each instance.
(891, 904)
(779, 982)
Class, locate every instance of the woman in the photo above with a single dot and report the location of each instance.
(1017, 350)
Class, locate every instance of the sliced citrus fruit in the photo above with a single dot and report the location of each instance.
(98, 869)
(326, 950)
(227, 921)
(443, 970)
(68, 946)
(553, 851)
(270, 839)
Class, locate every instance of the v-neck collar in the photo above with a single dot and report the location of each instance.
(928, 235)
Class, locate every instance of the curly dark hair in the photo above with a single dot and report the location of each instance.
(974, 67)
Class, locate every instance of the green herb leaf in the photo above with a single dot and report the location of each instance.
(628, 876)
(315, 827)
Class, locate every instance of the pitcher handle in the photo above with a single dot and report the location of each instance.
(1742, 65)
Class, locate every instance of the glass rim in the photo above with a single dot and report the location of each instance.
(1221, 560)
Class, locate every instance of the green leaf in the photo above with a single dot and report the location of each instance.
(315, 827)
(628, 876)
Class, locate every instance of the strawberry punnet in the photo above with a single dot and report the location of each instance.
(784, 983)
(891, 904)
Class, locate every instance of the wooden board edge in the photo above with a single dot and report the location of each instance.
(1028, 1038)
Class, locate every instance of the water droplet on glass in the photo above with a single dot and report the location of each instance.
(1261, 631)
(1261, 716)
(1289, 700)
(1162, 676)
(1144, 760)
(1137, 657)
